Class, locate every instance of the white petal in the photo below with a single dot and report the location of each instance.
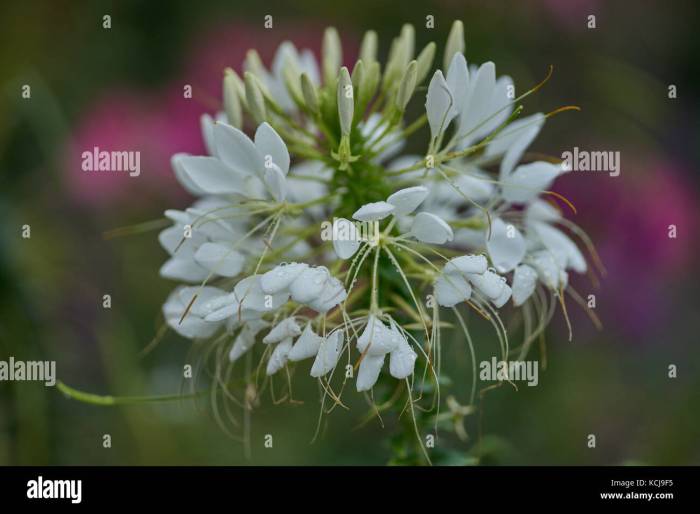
(373, 211)
(218, 302)
(332, 294)
(230, 310)
(498, 110)
(180, 218)
(368, 372)
(306, 346)
(458, 81)
(548, 271)
(451, 289)
(204, 296)
(300, 190)
(474, 187)
(279, 356)
(240, 346)
(268, 142)
(402, 361)
(506, 246)
(540, 210)
(286, 328)
(467, 264)
(470, 238)
(489, 283)
(439, 104)
(529, 180)
(503, 297)
(377, 338)
(405, 201)
(237, 151)
(220, 258)
(173, 238)
(517, 149)
(346, 239)
(280, 277)
(185, 269)
(513, 141)
(275, 182)
(254, 186)
(182, 177)
(182, 296)
(345, 249)
(564, 249)
(251, 296)
(328, 354)
(429, 228)
(206, 219)
(309, 65)
(192, 327)
(246, 338)
(478, 103)
(251, 328)
(212, 176)
(524, 282)
(309, 284)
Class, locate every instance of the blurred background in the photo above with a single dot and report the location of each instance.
(122, 88)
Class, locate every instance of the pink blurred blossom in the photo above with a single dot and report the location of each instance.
(628, 218)
(126, 121)
(161, 123)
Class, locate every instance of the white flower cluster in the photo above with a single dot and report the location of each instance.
(468, 216)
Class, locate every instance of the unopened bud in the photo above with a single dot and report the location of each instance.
(455, 43)
(368, 48)
(254, 97)
(232, 102)
(308, 89)
(372, 76)
(408, 39)
(346, 101)
(396, 63)
(425, 62)
(253, 63)
(358, 76)
(407, 86)
(332, 55)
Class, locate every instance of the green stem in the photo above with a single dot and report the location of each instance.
(110, 401)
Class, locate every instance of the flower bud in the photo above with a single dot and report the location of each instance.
(408, 39)
(254, 97)
(291, 75)
(372, 77)
(232, 102)
(368, 48)
(332, 55)
(455, 43)
(425, 62)
(394, 64)
(254, 64)
(358, 75)
(359, 84)
(346, 101)
(407, 86)
(308, 89)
